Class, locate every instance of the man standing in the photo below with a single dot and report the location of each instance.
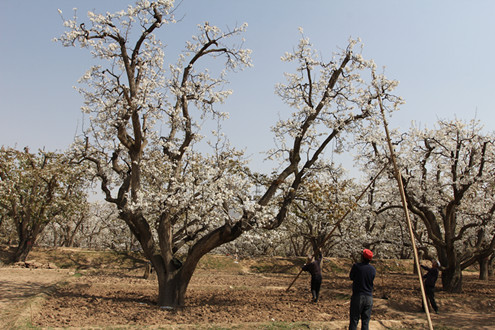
(314, 268)
(362, 275)
(430, 278)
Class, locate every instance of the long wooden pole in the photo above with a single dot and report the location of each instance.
(340, 220)
(406, 211)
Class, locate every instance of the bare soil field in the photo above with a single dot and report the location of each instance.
(107, 290)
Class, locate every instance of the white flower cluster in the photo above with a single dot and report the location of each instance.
(336, 96)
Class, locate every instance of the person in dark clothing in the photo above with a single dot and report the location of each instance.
(429, 280)
(362, 275)
(314, 268)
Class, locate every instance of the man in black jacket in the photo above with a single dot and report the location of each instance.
(362, 275)
(430, 278)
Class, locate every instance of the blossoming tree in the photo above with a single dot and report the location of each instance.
(448, 180)
(179, 200)
(320, 203)
(35, 189)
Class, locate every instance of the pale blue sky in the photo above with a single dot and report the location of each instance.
(442, 53)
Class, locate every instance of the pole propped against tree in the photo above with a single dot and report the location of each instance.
(404, 205)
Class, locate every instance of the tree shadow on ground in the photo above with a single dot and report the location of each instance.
(80, 292)
(6, 253)
(278, 265)
(12, 292)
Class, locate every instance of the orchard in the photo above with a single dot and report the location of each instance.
(175, 192)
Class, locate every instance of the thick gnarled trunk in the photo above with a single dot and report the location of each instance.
(27, 237)
(173, 276)
(172, 289)
(22, 251)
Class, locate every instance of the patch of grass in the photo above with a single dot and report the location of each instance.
(393, 265)
(26, 325)
(277, 265)
(341, 296)
(219, 262)
(262, 268)
(471, 270)
(330, 265)
(241, 287)
(441, 327)
(287, 325)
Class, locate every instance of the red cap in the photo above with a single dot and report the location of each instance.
(367, 254)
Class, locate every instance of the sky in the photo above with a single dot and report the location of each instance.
(441, 52)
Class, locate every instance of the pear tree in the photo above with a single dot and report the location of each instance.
(447, 175)
(182, 190)
(36, 189)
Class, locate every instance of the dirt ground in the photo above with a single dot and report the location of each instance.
(241, 296)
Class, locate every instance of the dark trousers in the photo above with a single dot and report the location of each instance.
(430, 295)
(360, 309)
(315, 287)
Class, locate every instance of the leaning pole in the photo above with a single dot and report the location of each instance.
(404, 206)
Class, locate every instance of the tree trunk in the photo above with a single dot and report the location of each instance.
(452, 279)
(27, 237)
(491, 264)
(71, 233)
(173, 281)
(174, 276)
(483, 262)
(171, 290)
(23, 248)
